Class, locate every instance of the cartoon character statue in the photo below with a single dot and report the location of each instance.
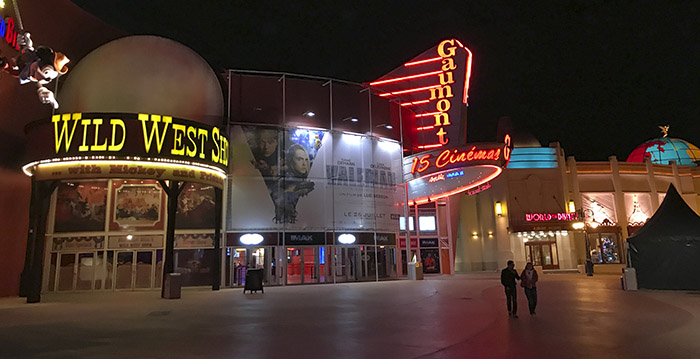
(39, 65)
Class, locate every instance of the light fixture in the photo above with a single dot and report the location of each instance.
(577, 225)
(474, 235)
(572, 207)
(594, 224)
(351, 119)
(251, 238)
(129, 237)
(387, 126)
(499, 209)
(346, 238)
(309, 114)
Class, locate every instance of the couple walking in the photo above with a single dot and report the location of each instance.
(528, 279)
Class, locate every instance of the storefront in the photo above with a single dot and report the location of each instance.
(109, 178)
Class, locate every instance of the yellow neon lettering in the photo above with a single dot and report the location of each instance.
(215, 139)
(117, 122)
(450, 50)
(148, 139)
(178, 146)
(191, 132)
(84, 147)
(203, 135)
(58, 137)
(103, 147)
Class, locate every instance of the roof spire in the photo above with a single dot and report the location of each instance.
(664, 129)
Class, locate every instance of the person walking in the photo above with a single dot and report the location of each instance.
(508, 277)
(529, 281)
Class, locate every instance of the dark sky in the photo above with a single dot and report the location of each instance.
(597, 76)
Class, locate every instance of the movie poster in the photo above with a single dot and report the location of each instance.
(80, 206)
(431, 260)
(196, 207)
(137, 204)
(312, 180)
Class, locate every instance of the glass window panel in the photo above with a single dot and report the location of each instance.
(65, 274)
(402, 224)
(124, 269)
(144, 267)
(109, 269)
(86, 271)
(426, 223)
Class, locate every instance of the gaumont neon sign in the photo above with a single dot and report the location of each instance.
(547, 217)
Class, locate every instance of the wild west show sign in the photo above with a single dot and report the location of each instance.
(432, 90)
(119, 145)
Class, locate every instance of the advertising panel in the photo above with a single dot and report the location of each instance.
(137, 204)
(309, 179)
(196, 207)
(80, 206)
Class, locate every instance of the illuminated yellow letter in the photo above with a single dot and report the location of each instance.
(58, 137)
(117, 122)
(450, 50)
(178, 147)
(148, 139)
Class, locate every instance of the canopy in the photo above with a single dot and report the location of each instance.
(666, 250)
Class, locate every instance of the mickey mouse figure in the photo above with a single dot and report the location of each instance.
(40, 65)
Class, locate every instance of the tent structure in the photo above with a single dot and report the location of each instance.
(666, 251)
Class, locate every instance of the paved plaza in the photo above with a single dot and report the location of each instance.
(462, 316)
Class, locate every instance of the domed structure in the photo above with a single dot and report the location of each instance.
(144, 74)
(665, 149)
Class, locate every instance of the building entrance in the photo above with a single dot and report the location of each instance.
(542, 253)
(307, 265)
(138, 269)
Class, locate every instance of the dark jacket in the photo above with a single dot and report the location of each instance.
(527, 283)
(508, 277)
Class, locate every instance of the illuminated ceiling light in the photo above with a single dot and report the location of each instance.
(351, 119)
(251, 238)
(577, 225)
(594, 224)
(572, 207)
(388, 127)
(346, 238)
(129, 237)
(309, 114)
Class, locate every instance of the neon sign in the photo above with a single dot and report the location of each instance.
(427, 85)
(7, 31)
(546, 217)
(481, 188)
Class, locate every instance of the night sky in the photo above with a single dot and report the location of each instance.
(597, 76)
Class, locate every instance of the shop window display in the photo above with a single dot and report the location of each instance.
(606, 248)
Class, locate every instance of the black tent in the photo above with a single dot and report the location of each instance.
(666, 250)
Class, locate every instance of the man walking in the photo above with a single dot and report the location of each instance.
(508, 277)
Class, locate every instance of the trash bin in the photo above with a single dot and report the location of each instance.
(415, 271)
(173, 286)
(589, 268)
(254, 280)
(629, 279)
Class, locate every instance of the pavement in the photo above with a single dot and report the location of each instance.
(461, 316)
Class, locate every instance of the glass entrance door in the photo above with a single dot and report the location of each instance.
(136, 270)
(346, 264)
(76, 271)
(542, 254)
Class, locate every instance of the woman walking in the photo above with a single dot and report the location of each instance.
(528, 281)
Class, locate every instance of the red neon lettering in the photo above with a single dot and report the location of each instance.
(420, 164)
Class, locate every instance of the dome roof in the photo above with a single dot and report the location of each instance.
(144, 74)
(665, 149)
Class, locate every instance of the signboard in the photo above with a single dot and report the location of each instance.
(305, 239)
(124, 145)
(434, 174)
(135, 241)
(200, 240)
(550, 217)
(233, 239)
(429, 242)
(434, 86)
(78, 243)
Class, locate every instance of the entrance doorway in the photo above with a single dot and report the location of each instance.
(307, 265)
(542, 253)
(239, 260)
(138, 269)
